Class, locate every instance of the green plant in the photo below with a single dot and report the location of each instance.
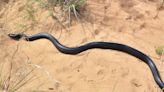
(68, 11)
(28, 16)
(74, 4)
(160, 50)
(30, 11)
(42, 3)
(73, 7)
(70, 8)
(55, 2)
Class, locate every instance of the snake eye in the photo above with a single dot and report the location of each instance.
(15, 36)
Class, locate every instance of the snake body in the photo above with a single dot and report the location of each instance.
(100, 45)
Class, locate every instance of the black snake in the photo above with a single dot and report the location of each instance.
(92, 45)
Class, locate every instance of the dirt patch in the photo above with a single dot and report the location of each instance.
(131, 23)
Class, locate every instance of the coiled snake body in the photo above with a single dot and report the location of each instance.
(92, 45)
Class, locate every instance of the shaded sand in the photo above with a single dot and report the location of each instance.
(130, 22)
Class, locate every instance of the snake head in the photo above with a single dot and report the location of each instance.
(16, 37)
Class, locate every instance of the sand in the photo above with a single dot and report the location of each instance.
(131, 22)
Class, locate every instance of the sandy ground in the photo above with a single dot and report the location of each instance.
(130, 22)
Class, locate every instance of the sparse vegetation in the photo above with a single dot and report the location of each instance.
(69, 8)
(160, 53)
(160, 50)
(52, 16)
(159, 8)
(73, 8)
(28, 16)
(13, 81)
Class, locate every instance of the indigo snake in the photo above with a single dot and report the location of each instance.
(93, 45)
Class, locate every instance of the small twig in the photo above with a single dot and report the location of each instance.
(76, 16)
(11, 67)
(115, 85)
(69, 16)
(17, 48)
(55, 18)
(158, 9)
